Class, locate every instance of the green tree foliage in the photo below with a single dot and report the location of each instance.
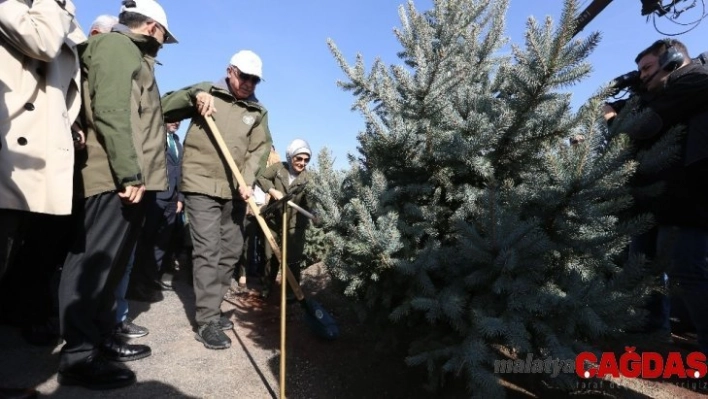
(466, 216)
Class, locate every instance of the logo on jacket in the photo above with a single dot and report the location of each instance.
(248, 119)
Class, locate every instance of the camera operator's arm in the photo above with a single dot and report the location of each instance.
(38, 31)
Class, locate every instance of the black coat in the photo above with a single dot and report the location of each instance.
(683, 101)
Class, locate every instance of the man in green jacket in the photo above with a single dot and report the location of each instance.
(214, 202)
(124, 159)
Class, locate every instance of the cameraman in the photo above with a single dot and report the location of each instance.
(675, 93)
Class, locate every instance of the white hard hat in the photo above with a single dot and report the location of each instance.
(152, 10)
(248, 62)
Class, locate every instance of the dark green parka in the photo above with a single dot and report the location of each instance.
(122, 117)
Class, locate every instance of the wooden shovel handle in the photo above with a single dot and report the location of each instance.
(224, 150)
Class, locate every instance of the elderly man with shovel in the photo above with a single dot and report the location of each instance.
(214, 200)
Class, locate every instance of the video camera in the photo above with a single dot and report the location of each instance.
(629, 81)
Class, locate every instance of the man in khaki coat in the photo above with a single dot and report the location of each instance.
(214, 201)
(39, 85)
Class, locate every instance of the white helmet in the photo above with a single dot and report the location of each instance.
(152, 10)
(248, 62)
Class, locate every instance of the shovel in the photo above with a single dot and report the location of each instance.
(319, 320)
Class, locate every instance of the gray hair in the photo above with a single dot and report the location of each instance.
(104, 23)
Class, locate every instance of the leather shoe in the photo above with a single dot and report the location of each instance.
(95, 372)
(119, 351)
(128, 329)
(166, 282)
(166, 285)
(18, 393)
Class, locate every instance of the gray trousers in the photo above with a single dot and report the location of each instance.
(216, 227)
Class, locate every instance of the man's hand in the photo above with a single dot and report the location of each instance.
(245, 192)
(608, 112)
(132, 194)
(275, 194)
(180, 206)
(205, 104)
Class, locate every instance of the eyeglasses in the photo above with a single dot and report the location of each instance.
(246, 77)
(301, 159)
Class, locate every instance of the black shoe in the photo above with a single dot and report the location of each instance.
(166, 285)
(145, 295)
(212, 336)
(128, 329)
(164, 282)
(95, 372)
(18, 393)
(118, 351)
(225, 324)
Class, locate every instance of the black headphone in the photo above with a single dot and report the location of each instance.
(671, 59)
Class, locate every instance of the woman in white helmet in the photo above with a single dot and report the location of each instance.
(279, 180)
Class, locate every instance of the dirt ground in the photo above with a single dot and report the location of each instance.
(356, 365)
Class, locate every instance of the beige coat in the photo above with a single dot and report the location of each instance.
(39, 89)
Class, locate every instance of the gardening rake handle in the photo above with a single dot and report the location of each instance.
(224, 150)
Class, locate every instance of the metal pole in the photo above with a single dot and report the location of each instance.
(283, 300)
(589, 13)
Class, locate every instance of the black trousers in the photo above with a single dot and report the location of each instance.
(155, 245)
(92, 270)
(12, 226)
(28, 292)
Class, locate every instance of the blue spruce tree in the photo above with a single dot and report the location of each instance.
(467, 217)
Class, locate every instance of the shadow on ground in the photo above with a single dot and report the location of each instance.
(23, 366)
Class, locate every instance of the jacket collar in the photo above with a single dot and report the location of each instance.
(147, 44)
(222, 87)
